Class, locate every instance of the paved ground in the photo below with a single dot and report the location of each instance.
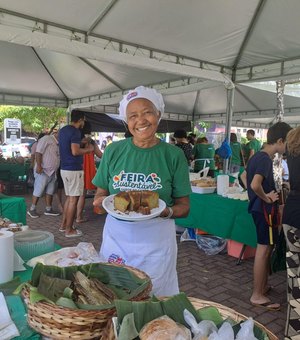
(216, 278)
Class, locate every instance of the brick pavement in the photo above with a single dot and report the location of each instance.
(216, 278)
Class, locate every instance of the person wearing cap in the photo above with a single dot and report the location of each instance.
(144, 162)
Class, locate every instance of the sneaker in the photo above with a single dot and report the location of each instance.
(33, 214)
(51, 213)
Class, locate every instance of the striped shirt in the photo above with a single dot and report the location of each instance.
(48, 147)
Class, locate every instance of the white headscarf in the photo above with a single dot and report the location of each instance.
(141, 92)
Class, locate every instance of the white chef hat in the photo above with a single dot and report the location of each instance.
(141, 92)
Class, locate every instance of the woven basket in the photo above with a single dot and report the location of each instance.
(226, 312)
(59, 323)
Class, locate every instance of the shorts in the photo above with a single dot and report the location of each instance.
(44, 183)
(73, 182)
(265, 235)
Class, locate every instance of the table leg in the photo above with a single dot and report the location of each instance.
(241, 254)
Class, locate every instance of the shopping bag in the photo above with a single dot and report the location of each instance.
(224, 150)
(278, 259)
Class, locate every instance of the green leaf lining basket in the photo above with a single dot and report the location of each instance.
(226, 312)
(58, 322)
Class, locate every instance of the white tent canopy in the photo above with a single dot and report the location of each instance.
(87, 53)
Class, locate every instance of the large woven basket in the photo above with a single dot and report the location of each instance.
(58, 322)
(226, 312)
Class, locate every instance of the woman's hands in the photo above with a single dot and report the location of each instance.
(181, 208)
(100, 195)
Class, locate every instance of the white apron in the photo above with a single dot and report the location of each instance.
(147, 245)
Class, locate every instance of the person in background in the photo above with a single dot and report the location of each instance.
(172, 140)
(285, 169)
(252, 147)
(291, 228)
(89, 168)
(203, 155)
(46, 165)
(191, 138)
(109, 140)
(235, 160)
(202, 140)
(145, 162)
(264, 209)
(183, 144)
(71, 170)
(32, 148)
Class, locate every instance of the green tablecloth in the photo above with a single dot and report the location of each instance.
(11, 172)
(224, 217)
(13, 208)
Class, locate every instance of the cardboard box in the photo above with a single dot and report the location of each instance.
(234, 249)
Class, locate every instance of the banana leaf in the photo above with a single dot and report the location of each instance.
(124, 283)
(210, 313)
(67, 273)
(146, 311)
(94, 307)
(127, 329)
(65, 302)
(52, 287)
(9, 287)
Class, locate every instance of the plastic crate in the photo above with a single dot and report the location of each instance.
(234, 249)
(13, 187)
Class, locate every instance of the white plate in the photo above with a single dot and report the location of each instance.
(203, 190)
(108, 205)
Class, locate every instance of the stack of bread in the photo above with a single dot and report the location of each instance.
(137, 201)
(206, 182)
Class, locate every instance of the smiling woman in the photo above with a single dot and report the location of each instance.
(144, 162)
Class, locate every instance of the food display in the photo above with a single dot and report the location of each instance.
(138, 201)
(206, 182)
(76, 302)
(204, 185)
(182, 318)
(6, 224)
(164, 328)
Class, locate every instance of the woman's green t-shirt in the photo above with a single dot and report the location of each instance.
(162, 168)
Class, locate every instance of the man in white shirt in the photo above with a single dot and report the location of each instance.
(47, 162)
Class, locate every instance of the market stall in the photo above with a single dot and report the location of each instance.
(10, 171)
(220, 216)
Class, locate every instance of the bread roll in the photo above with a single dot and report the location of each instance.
(164, 328)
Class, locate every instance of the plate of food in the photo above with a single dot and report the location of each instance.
(134, 205)
(205, 185)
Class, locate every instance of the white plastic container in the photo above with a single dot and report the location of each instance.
(203, 190)
(222, 184)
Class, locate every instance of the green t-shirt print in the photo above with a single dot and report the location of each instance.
(162, 168)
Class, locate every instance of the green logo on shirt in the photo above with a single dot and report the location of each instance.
(133, 180)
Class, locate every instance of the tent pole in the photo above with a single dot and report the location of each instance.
(229, 112)
(68, 114)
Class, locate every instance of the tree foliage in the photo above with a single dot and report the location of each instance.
(34, 119)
